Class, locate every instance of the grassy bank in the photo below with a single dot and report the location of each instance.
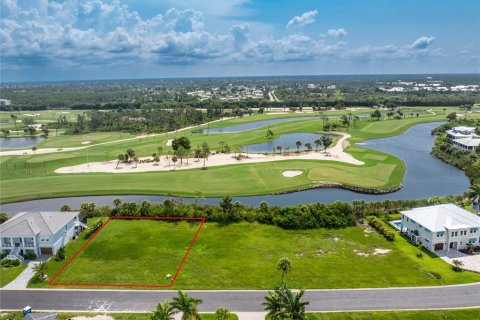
(8, 275)
(248, 258)
(399, 315)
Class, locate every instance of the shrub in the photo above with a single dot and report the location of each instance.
(378, 225)
(436, 275)
(29, 256)
(60, 255)
(457, 265)
(10, 263)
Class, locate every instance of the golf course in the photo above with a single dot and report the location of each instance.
(33, 176)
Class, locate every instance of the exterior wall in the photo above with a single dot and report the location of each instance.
(63, 236)
(453, 239)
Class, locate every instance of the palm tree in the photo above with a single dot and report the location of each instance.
(273, 304)
(294, 307)
(298, 144)
(174, 160)
(198, 195)
(165, 311)
(279, 148)
(120, 158)
(327, 141)
(473, 194)
(222, 314)
(34, 149)
(285, 265)
(187, 305)
(317, 142)
(41, 268)
(308, 145)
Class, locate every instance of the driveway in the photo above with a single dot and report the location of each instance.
(470, 262)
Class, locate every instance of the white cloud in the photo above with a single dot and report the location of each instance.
(306, 18)
(337, 32)
(422, 43)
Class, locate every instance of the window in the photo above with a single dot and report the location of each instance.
(453, 233)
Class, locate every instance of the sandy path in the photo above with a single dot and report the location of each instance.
(334, 153)
(54, 150)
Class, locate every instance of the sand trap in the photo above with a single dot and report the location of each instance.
(65, 112)
(86, 142)
(169, 142)
(335, 153)
(292, 173)
(29, 114)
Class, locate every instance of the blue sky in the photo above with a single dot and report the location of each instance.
(104, 39)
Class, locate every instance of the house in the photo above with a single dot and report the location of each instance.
(460, 132)
(468, 144)
(38, 232)
(441, 227)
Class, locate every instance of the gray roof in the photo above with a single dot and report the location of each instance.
(443, 216)
(33, 223)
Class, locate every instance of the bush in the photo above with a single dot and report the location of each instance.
(2, 255)
(10, 263)
(378, 225)
(29, 256)
(60, 255)
(436, 275)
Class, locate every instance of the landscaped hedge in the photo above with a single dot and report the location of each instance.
(378, 225)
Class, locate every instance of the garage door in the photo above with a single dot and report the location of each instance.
(438, 246)
(46, 250)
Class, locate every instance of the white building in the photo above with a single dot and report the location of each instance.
(460, 132)
(38, 232)
(442, 227)
(467, 144)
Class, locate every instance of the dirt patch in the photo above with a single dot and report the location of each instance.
(169, 142)
(86, 142)
(292, 173)
(335, 238)
(376, 252)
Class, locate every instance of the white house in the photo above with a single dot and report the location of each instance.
(442, 227)
(468, 144)
(38, 232)
(460, 132)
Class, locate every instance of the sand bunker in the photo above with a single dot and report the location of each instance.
(292, 173)
(86, 142)
(169, 142)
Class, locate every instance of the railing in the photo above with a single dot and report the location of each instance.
(6, 245)
(31, 245)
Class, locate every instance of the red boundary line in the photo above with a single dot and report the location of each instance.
(53, 283)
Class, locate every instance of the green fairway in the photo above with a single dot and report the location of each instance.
(41, 117)
(132, 252)
(8, 275)
(244, 256)
(381, 171)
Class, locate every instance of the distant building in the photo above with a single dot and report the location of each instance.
(5, 102)
(442, 227)
(471, 143)
(460, 132)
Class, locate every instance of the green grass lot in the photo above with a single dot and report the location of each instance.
(468, 314)
(64, 141)
(244, 256)
(380, 170)
(8, 275)
(144, 250)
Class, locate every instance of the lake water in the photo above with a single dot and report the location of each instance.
(285, 140)
(426, 176)
(19, 142)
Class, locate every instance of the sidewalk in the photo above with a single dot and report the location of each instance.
(21, 281)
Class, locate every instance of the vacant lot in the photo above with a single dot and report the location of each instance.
(132, 252)
(245, 256)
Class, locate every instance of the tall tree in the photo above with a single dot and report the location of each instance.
(318, 143)
(326, 141)
(298, 144)
(164, 311)
(284, 265)
(187, 305)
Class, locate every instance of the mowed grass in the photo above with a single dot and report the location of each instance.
(132, 252)
(470, 314)
(82, 140)
(8, 275)
(245, 256)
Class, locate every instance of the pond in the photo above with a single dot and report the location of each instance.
(19, 142)
(285, 141)
(426, 176)
(265, 123)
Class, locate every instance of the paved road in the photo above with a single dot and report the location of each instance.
(462, 296)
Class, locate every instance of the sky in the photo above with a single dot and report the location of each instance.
(46, 40)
